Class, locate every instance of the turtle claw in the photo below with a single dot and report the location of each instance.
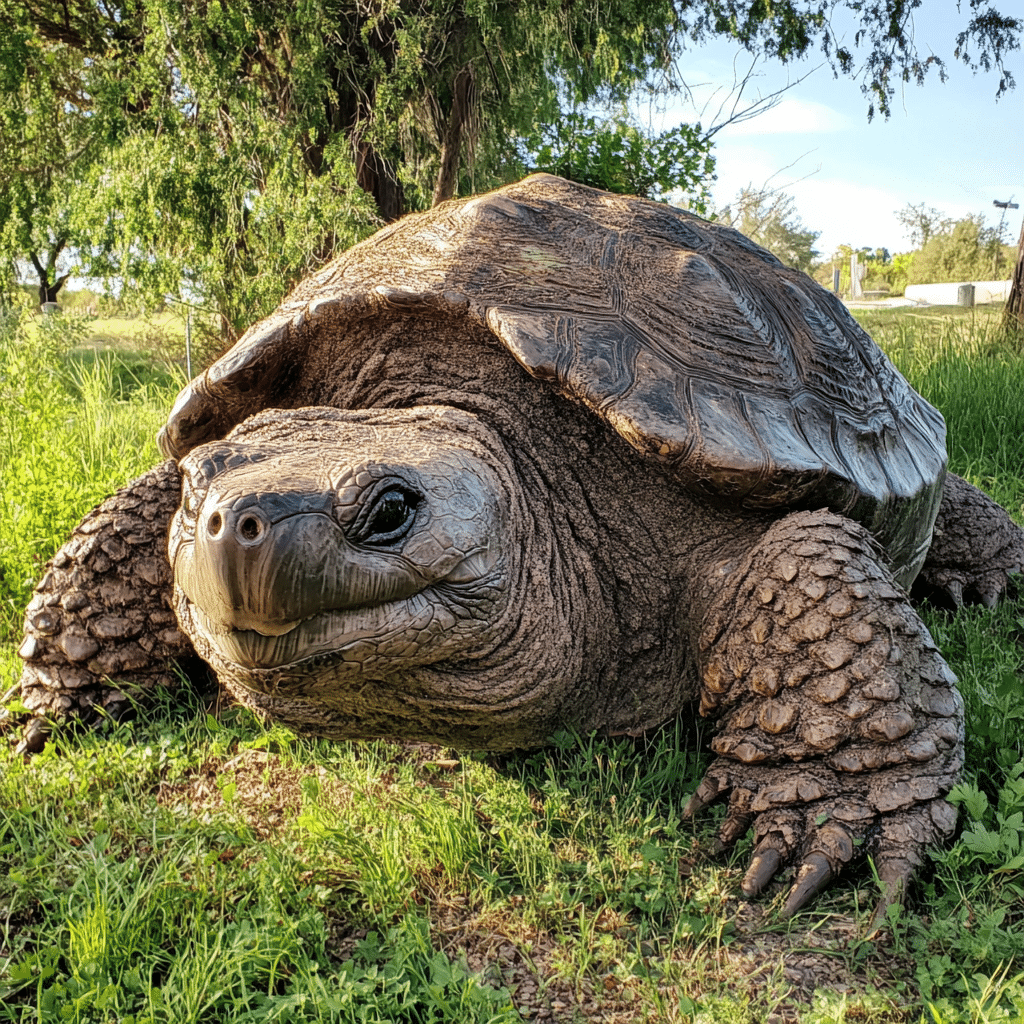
(815, 873)
(709, 790)
(736, 825)
(763, 867)
(893, 878)
(820, 835)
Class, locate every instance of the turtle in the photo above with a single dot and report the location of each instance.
(555, 458)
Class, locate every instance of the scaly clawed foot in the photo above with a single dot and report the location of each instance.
(817, 821)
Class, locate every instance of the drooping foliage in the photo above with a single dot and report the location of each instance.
(872, 40)
(224, 150)
(220, 150)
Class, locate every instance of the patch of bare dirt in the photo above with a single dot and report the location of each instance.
(266, 793)
(829, 953)
(777, 970)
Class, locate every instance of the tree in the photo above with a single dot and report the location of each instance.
(1013, 314)
(922, 222)
(882, 272)
(233, 147)
(44, 149)
(966, 250)
(769, 217)
(221, 150)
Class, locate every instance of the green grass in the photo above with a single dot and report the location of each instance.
(76, 425)
(966, 936)
(197, 866)
(958, 360)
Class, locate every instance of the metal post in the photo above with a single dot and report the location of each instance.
(1008, 205)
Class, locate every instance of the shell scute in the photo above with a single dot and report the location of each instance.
(744, 377)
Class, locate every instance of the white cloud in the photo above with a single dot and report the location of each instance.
(846, 197)
(948, 146)
(843, 210)
(791, 116)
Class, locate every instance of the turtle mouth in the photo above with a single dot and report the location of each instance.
(352, 637)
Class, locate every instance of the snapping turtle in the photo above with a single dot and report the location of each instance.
(554, 457)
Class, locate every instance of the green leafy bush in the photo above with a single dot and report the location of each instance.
(615, 154)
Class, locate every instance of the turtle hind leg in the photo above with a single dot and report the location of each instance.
(976, 549)
(100, 623)
(841, 730)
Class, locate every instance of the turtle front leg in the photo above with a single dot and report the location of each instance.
(99, 624)
(841, 726)
(976, 548)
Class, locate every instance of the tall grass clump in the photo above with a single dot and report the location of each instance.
(74, 426)
(132, 892)
(967, 940)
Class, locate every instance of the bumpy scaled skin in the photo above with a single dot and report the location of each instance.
(841, 726)
(102, 613)
(346, 597)
(552, 458)
(976, 549)
(484, 618)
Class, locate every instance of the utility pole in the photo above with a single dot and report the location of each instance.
(1008, 205)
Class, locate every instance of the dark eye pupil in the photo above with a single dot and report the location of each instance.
(392, 511)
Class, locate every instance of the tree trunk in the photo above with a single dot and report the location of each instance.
(462, 99)
(376, 176)
(48, 292)
(1013, 314)
(48, 289)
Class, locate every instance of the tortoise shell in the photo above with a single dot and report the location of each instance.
(743, 378)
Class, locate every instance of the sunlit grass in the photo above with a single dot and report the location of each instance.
(199, 867)
(959, 360)
(74, 427)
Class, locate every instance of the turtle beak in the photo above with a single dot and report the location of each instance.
(267, 561)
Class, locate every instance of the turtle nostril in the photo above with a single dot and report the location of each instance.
(214, 523)
(249, 527)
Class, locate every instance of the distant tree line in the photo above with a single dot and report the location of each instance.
(944, 248)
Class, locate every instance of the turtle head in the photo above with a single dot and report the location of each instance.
(373, 540)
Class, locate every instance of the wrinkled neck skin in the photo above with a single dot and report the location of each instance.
(584, 617)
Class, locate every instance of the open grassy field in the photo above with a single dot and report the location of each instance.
(195, 865)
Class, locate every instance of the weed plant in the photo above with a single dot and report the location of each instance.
(199, 867)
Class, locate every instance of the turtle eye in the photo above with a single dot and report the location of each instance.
(390, 516)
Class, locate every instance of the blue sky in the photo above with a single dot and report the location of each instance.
(949, 145)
